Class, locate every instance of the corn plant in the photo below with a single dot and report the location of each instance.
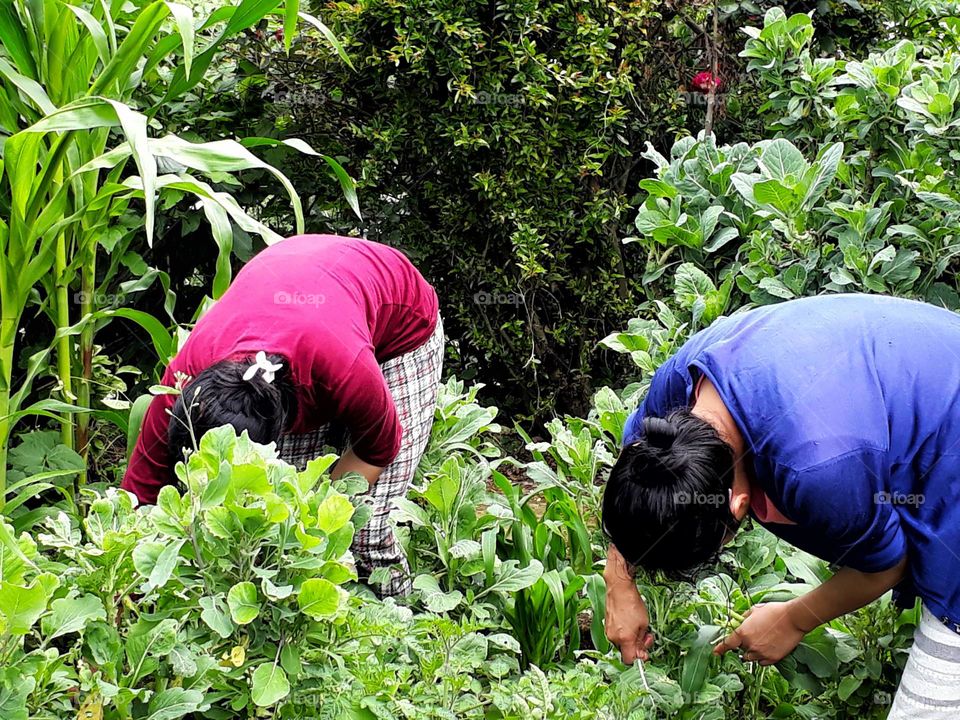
(78, 118)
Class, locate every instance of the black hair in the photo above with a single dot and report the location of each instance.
(666, 505)
(220, 396)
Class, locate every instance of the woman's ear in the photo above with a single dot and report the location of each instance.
(740, 498)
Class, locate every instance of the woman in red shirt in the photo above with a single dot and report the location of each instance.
(320, 340)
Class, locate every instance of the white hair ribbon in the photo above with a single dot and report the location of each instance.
(261, 363)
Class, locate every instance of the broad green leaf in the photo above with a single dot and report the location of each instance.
(822, 173)
(658, 188)
(780, 159)
(275, 592)
(776, 288)
(334, 512)
(510, 577)
(183, 661)
(215, 491)
(692, 286)
(941, 104)
(720, 238)
(818, 651)
(442, 492)
(290, 661)
(145, 642)
(465, 549)
(269, 685)
(434, 598)
(795, 278)
(219, 521)
(183, 16)
(469, 652)
(773, 192)
(156, 561)
(848, 686)
(215, 616)
(318, 598)
(70, 615)
(21, 606)
(671, 234)
(408, 511)
(174, 703)
(696, 662)
(243, 603)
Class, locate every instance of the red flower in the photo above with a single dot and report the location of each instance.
(705, 80)
(278, 34)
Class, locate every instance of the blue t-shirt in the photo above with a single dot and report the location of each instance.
(850, 406)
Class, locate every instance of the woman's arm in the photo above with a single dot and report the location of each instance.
(626, 621)
(349, 462)
(772, 631)
(149, 467)
(847, 590)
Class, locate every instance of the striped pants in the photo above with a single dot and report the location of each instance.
(930, 685)
(414, 380)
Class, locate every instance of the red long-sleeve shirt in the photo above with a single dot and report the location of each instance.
(335, 308)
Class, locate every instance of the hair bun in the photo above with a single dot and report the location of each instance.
(659, 432)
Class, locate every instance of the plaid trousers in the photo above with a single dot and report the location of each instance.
(413, 379)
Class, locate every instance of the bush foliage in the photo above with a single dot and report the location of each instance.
(543, 163)
(501, 145)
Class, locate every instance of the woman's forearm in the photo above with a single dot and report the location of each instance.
(617, 572)
(349, 462)
(846, 591)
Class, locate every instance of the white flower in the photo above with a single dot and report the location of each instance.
(269, 368)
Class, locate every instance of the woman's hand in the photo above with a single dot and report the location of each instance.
(767, 635)
(626, 622)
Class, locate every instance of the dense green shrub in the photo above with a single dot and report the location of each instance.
(859, 196)
(500, 144)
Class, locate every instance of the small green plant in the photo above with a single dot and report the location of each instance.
(202, 603)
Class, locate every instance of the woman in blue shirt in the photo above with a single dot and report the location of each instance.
(833, 421)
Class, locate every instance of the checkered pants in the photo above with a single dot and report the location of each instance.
(413, 379)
